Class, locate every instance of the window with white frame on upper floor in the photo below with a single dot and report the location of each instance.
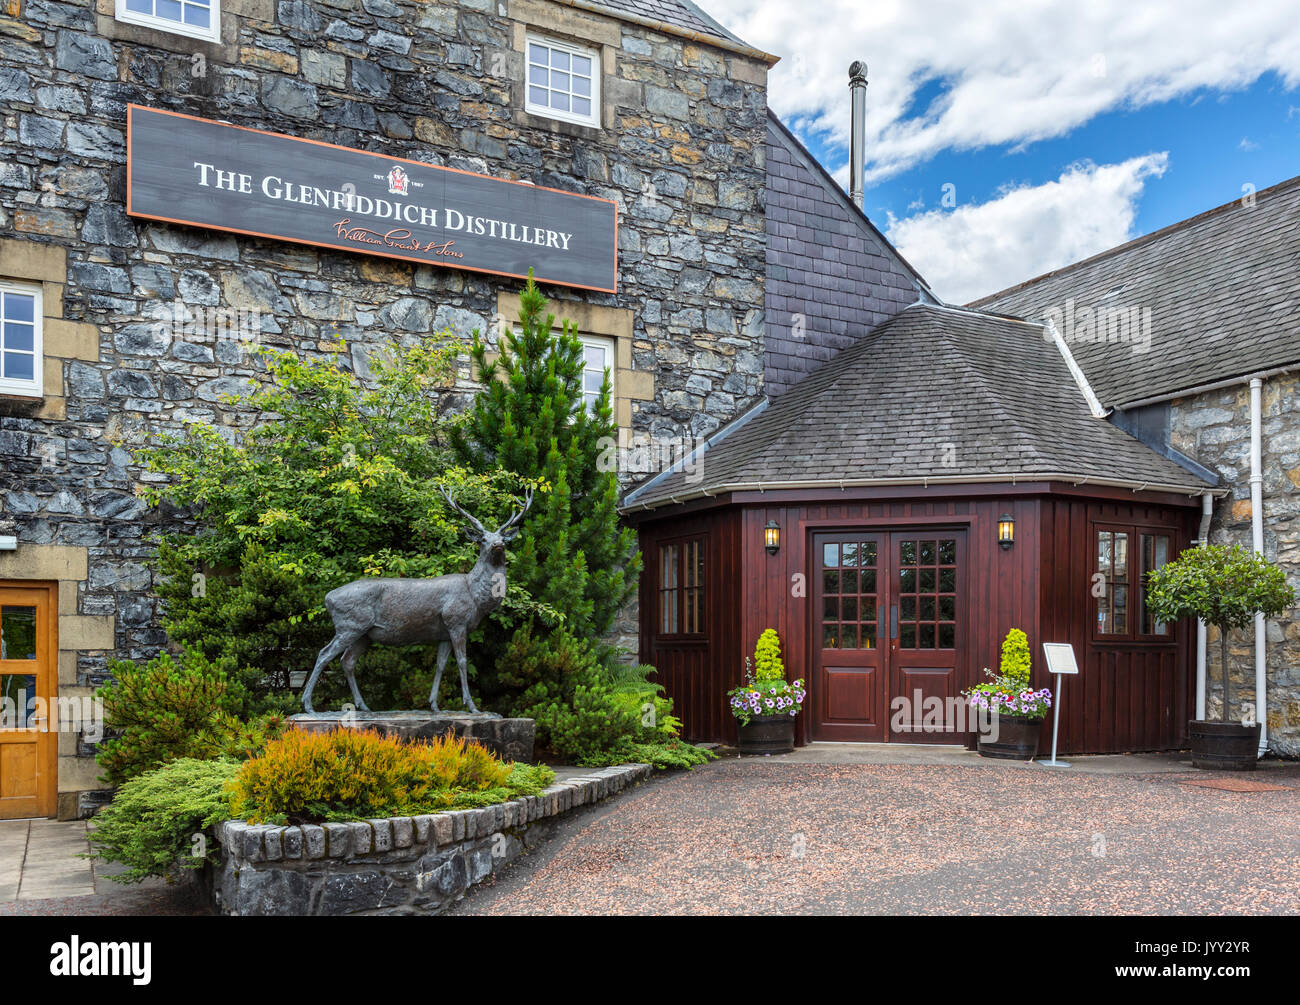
(597, 358)
(21, 366)
(195, 18)
(562, 81)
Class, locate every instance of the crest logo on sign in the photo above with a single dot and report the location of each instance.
(398, 181)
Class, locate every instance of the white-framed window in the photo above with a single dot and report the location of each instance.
(21, 366)
(563, 81)
(598, 356)
(195, 18)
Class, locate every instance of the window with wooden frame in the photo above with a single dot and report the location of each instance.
(1123, 556)
(681, 587)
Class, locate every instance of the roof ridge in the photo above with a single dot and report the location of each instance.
(1136, 242)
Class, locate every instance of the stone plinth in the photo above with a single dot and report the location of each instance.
(509, 739)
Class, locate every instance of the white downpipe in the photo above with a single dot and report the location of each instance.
(1207, 511)
(1257, 541)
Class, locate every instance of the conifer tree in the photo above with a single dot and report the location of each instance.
(572, 554)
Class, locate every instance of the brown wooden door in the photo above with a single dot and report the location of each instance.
(849, 668)
(889, 622)
(27, 676)
(927, 641)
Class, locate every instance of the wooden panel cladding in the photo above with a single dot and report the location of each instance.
(1134, 693)
(1136, 689)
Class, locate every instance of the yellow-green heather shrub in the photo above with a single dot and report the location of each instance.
(349, 774)
(767, 657)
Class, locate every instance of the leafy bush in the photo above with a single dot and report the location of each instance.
(350, 775)
(153, 821)
(335, 479)
(767, 657)
(1015, 660)
(1222, 586)
(162, 710)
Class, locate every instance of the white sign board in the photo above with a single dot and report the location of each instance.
(1060, 657)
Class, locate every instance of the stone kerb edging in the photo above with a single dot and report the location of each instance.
(415, 864)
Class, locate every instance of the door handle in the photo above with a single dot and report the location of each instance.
(893, 622)
(880, 620)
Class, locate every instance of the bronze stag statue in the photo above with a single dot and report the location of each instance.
(401, 612)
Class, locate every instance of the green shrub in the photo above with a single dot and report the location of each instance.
(349, 775)
(1014, 668)
(163, 710)
(155, 823)
(767, 657)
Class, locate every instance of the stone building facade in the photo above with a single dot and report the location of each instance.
(145, 324)
(1214, 427)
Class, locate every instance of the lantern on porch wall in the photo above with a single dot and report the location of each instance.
(772, 537)
(1006, 530)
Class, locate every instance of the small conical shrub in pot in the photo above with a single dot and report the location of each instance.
(766, 704)
(1224, 587)
(1015, 710)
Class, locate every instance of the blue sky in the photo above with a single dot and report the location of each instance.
(1063, 128)
(1216, 143)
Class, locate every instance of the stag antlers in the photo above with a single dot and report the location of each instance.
(478, 529)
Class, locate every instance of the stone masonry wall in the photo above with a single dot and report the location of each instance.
(396, 865)
(1214, 428)
(682, 152)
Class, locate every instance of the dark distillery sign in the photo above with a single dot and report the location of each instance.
(183, 169)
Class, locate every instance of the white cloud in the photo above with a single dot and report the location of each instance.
(1012, 72)
(975, 250)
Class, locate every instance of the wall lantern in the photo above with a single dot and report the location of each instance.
(772, 537)
(1006, 530)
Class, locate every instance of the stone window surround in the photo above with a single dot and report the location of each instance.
(224, 49)
(62, 340)
(571, 49)
(564, 24)
(123, 15)
(630, 385)
(62, 568)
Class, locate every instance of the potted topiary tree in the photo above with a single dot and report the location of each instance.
(766, 704)
(1225, 587)
(1017, 710)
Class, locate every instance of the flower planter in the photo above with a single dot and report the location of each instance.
(1017, 739)
(767, 734)
(1224, 746)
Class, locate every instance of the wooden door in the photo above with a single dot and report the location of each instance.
(927, 639)
(849, 668)
(889, 622)
(28, 745)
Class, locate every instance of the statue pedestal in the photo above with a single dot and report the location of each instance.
(509, 739)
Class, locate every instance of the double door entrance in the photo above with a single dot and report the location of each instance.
(889, 623)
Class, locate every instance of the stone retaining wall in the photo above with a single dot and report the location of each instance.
(398, 865)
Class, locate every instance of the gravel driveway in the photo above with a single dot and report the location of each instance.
(757, 837)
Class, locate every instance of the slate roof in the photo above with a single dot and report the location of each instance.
(1223, 290)
(829, 270)
(936, 393)
(678, 13)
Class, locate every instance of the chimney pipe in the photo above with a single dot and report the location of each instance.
(858, 136)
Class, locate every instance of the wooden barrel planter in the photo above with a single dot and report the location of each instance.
(1017, 739)
(1224, 746)
(767, 734)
